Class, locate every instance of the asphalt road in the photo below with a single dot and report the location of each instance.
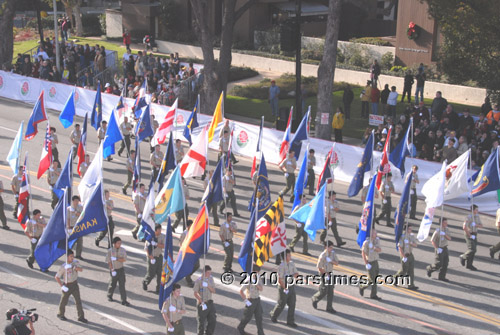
(468, 304)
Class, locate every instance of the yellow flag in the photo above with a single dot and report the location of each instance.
(216, 119)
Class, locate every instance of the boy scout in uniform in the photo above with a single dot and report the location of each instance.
(111, 224)
(196, 266)
(413, 193)
(203, 288)
(213, 208)
(288, 166)
(406, 243)
(126, 128)
(139, 203)
(115, 258)
(470, 226)
(440, 240)
(34, 229)
(15, 183)
(53, 174)
(369, 252)
(173, 309)
(251, 296)
(155, 259)
(286, 294)
(155, 160)
(183, 213)
(130, 171)
(493, 248)
(179, 151)
(299, 231)
(386, 189)
(74, 137)
(333, 208)
(73, 213)
(326, 261)
(101, 134)
(3, 218)
(229, 196)
(226, 232)
(54, 142)
(69, 272)
(311, 163)
(84, 166)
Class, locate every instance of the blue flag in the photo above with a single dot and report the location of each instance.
(364, 166)
(246, 250)
(144, 128)
(170, 199)
(365, 222)
(113, 135)
(398, 155)
(326, 174)
(312, 215)
(487, 179)
(15, 150)
(300, 183)
(52, 243)
(168, 163)
(214, 192)
(136, 178)
(93, 217)
(262, 191)
(68, 113)
(96, 116)
(37, 115)
(300, 135)
(191, 123)
(167, 272)
(65, 179)
(402, 210)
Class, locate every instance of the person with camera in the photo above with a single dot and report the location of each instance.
(34, 229)
(69, 272)
(21, 322)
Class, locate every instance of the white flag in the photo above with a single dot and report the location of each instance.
(433, 191)
(149, 206)
(278, 239)
(92, 177)
(456, 177)
(194, 162)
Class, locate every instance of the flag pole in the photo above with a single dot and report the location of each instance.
(256, 211)
(29, 184)
(66, 228)
(471, 197)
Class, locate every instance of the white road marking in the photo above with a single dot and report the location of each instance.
(112, 318)
(12, 273)
(8, 129)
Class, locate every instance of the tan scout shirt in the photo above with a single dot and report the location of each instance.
(54, 140)
(156, 159)
(326, 260)
(414, 181)
(224, 144)
(439, 237)
(130, 165)
(332, 206)
(369, 249)
(35, 227)
(140, 201)
(225, 232)
(179, 305)
(156, 249)
(53, 175)
(286, 269)
(290, 164)
(119, 254)
(311, 161)
(252, 290)
(405, 242)
(73, 214)
(204, 292)
(126, 127)
(179, 154)
(109, 206)
(228, 183)
(69, 275)
(387, 188)
(75, 136)
(101, 133)
(472, 223)
(83, 168)
(16, 182)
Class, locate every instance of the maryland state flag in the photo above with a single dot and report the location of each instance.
(263, 233)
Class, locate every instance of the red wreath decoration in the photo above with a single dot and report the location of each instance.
(412, 31)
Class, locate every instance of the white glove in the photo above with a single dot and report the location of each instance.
(171, 329)
(154, 244)
(248, 303)
(64, 288)
(368, 266)
(473, 224)
(370, 245)
(204, 307)
(68, 266)
(405, 259)
(327, 277)
(69, 230)
(328, 259)
(406, 241)
(34, 240)
(384, 201)
(285, 291)
(113, 258)
(226, 244)
(227, 225)
(473, 237)
(113, 273)
(172, 308)
(153, 261)
(330, 223)
(442, 233)
(204, 284)
(139, 216)
(286, 174)
(440, 250)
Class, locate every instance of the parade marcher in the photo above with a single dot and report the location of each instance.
(288, 166)
(496, 247)
(333, 208)
(299, 231)
(69, 286)
(370, 253)
(228, 184)
(440, 240)
(203, 288)
(413, 193)
(311, 163)
(385, 191)
(15, 184)
(326, 260)
(54, 142)
(406, 243)
(111, 224)
(139, 203)
(179, 151)
(173, 309)
(34, 229)
(73, 213)
(85, 165)
(126, 128)
(3, 218)
(224, 145)
(212, 209)
(75, 136)
(156, 160)
(183, 213)
(364, 193)
(115, 258)
(196, 266)
(53, 174)
(286, 293)
(155, 259)
(130, 171)
(250, 293)
(226, 232)
(101, 133)
(470, 226)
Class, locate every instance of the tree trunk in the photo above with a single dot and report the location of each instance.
(78, 18)
(326, 70)
(68, 8)
(7, 12)
(226, 44)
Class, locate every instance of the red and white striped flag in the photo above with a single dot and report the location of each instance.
(167, 125)
(46, 157)
(384, 167)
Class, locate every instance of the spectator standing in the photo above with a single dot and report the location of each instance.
(384, 95)
(420, 77)
(407, 86)
(438, 105)
(347, 99)
(126, 38)
(392, 101)
(274, 92)
(375, 72)
(338, 124)
(375, 98)
(365, 100)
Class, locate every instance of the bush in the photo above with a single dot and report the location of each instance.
(92, 25)
(357, 55)
(387, 61)
(371, 40)
(239, 73)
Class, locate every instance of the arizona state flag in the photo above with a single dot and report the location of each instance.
(263, 233)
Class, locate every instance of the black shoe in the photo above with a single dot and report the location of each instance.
(274, 320)
(29, 264)
(96, 242)
(492, 254)
(221, 211)
(61, 317)
(79, 257)
(429, 272)
(110, 299)
(341, 244)
(306, 253)
(126, 303)
(119, 154)
(134, 235)
(236, 162)
(124, 191)
(14, 215)
(315, 304)
(444, 279)
(312, 193)
(292, 249)
(190, 283)
(413, 217)
(413, 288)
(237, 215)
(83, 320)
(241, 331)
(292, 324)
(157, 291)
(390, 225)
(462, 260)
(361, 291)
(376, 298)
(472, 268)
(6, 227)
(331, 310)
(292, 198)
(144, 286)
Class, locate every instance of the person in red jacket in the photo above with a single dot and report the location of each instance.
(126, 38)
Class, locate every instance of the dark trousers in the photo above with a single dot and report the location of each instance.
(73, 290)
(335, 232)
(290, 184)
(103, 233)
(207, 316)
(31, 257)
(372, 275)
(229, 253)
(283, 300)
(3, 219)
(408, 269)
(120, 279)
(213, 209)
(413, 203)
(130, 174)
(16, 205)
(471, 250)
(493, 248)
(154, 270)
(300, 233)
(179, 215)
(55, 155)
(231, 198)
(440, 263)
(347, 111)
(365, 109)
(55, 200)
(325, 289)
(79, 247)
(385, 212)
(406, 91)
(338, 135)
(253, 310)
(125, 144)
(311, 178)
(195, 268)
